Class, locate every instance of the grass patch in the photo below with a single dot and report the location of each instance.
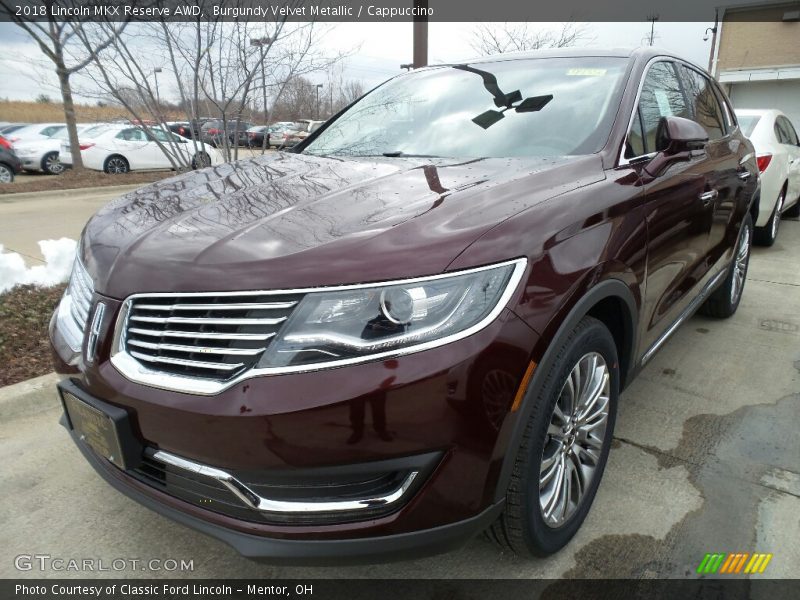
(53, 112)
(70, 180)
(25, 312)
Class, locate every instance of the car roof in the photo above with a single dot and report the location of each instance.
(640, 53)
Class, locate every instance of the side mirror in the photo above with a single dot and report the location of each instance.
(676, 134)
(676, 137)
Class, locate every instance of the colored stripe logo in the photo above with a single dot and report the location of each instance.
(734, 563)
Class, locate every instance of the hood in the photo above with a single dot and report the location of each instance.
(290, 220)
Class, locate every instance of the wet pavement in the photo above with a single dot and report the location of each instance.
(706, 458)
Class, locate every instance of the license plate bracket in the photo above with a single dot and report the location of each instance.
(104, 428)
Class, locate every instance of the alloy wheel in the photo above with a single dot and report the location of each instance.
(740, 265)
(776, 218)
(117, 166)
(5, 174)
(52, 165)
(575, 439)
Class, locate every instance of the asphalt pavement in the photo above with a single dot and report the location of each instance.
(706, 458)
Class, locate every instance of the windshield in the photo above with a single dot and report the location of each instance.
(530, 107)
(748, 123)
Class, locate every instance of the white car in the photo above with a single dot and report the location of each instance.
(35, 132)
(43, 155)
(120, 148)
(778, 155)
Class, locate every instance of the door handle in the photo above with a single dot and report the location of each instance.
(744, 175)
(707, 197)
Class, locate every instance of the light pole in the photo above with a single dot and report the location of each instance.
(261, 44)
(156, 71)
(319, 87)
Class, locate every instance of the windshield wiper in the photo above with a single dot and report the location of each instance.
(398, 153)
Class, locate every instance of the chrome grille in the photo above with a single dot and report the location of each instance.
(201, 335)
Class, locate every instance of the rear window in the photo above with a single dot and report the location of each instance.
(94, 131)
(49, 131)
(748, 123)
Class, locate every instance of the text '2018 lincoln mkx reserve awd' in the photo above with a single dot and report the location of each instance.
(415, 325)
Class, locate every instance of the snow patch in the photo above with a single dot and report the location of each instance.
(58, 256)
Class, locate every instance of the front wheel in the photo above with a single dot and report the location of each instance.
(725, 299)
(565, 445)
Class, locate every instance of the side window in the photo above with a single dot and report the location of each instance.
(131, 135)
(661, 96)
(779, 132)
(705, 106)
(789, 133)
(49, 131)
(634, 146)
(159, 134)
(730, 117)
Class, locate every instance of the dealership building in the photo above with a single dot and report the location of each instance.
(756, 56)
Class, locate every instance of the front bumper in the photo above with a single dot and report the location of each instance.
(324, 552)
(431, 403)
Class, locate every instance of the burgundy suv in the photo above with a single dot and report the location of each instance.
(417, 324)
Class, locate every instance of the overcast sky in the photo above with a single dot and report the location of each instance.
(382, 48)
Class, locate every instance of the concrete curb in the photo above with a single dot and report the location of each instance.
(28, 397)
(104, 189)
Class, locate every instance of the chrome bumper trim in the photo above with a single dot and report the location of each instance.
(253, 500)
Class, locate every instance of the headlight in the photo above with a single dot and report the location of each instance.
(73, 310)
(357, 323)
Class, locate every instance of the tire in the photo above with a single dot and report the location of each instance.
(793, 212)
(116, 165)
(51, 164)
(531, 524)
(6, 174)
(766, 236)
(201, 160)
(724, 301)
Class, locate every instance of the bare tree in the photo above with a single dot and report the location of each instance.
(212, 65)
(55, 40)
(498, 38)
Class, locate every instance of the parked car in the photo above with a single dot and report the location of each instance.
(186, 128)
(35, 132)
(43, 155)
(9, 164)
(778, 153)
(9, 128)
(122, 148)
(299, 131)
(267, 352)
(213, 132)
(273, 133)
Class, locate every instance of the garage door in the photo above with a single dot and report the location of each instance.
(781, 95)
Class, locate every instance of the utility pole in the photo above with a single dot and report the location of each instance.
(262, 43)
(421, 34)
(156, 71)
(652, 19)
